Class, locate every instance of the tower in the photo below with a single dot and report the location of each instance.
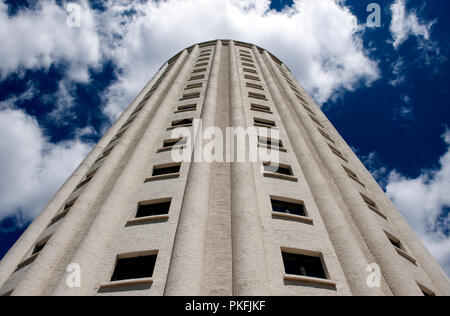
(132, 220)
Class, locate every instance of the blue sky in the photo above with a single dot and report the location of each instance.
(385, 89)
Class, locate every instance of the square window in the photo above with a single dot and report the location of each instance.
(303, 265)
(134, 268)
(153, 208)
(288, 207)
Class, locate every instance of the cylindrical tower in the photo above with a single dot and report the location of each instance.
(223, 177)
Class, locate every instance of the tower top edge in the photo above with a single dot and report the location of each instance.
(225, 41)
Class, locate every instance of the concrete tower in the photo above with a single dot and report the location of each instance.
(132, 221)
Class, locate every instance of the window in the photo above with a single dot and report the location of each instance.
(368, 201)
(197, 77)
(300, 98)
(190, 96)
(308, 109)
(254, 86)
(270, 142)
(257, 96)
(202, 59)
(86, 180)
(198, 70)
(373, 206)
(353, 175)
(316, 121)
(174, 142)
(252, 77)
(288, 207)
(324, 134)
(69, 204)
(250, 70)
(184, 122)
(248, 65)
(426, 291)
(39, 246)
(247, 59)
(260, 107)
(281, 169)
(165, 170)
(146, 209)
(194, 86)
(337, 153)
(264, 123)
(134, 268)
(105, 154)
(201, 64)
(188, 107)
(394, 241)
(302, 265)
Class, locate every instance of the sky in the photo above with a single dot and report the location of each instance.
(64, 80)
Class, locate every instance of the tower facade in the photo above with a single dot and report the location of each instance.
(135, 220)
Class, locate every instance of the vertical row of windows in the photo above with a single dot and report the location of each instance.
(351, 174)
(133, 266)
(39, 246)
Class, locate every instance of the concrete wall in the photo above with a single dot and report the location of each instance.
(221, 236)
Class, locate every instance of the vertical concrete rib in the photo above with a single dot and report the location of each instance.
(52, 261)
(250, 276)
(111, 216)
(22, 246)
(346, 246)
(436, 274)
(186, 267)
(397, 277)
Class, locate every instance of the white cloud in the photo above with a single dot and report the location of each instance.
(31, 167)
(423, 202)
(40, 37)
(318, 39)
(405, 24)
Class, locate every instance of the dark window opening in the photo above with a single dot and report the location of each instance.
(70, 204)
(260, 107)
(182, 122)
(38, 248)
(190, 96)
(395, 243)
(288, 208)
(252, 77)
(302, 265)
(187, 107)
(134, 268)
(158, 171)
(286, 170)
(174, 142)
(270, 142)
(153, 209)
(254, 86)
(264, 122)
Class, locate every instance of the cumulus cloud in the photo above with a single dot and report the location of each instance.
(320, 40)
(31, 167)
(425, 203)
(39, 37)
(405, 24)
